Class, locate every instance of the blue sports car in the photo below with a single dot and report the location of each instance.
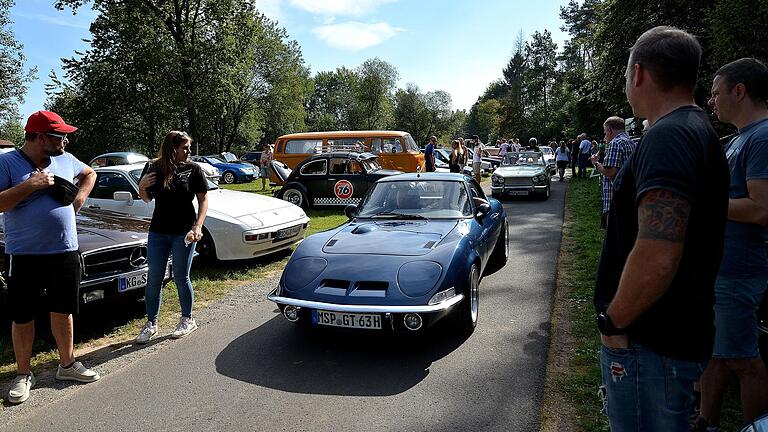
(232, 171)
(413, 252)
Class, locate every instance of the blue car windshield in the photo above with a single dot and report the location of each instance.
(432, 199)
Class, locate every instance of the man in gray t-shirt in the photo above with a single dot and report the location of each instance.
(42, 264)
(739, 95)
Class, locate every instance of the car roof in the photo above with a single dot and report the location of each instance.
(119, 154)
(344, 134)
(343, 154)
(425, 176)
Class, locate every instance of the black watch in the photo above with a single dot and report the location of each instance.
(606, 327)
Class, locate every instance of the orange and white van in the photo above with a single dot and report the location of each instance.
(395, 149)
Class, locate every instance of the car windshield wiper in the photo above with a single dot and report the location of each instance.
(395, 215)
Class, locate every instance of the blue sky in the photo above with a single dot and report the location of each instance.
(459, 46)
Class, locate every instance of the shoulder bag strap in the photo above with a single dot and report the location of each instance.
(26, 158)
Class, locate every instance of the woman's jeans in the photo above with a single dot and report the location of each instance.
(159, 247)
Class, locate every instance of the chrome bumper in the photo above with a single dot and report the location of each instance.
(447, 304)
(532, 188)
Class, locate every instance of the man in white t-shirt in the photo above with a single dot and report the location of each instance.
(477, 157)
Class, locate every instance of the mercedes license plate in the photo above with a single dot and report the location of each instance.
(518, 192)
(132, 281)
(347, 320)
(288, 232)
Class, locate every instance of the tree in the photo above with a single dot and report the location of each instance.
(13, 77)
(332, 102)
(12, 130)
(513, 119)
(539, 81)
(422, 114)
(373, 94)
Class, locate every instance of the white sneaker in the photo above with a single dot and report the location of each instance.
(185, 327)
(20, 386)
(147, 332)
(77, 372)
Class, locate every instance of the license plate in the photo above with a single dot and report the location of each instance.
(347, 320)
(287, 232)
(132, 281)
(518, 192)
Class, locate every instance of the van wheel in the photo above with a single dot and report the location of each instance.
(228, 177)
(295, 197)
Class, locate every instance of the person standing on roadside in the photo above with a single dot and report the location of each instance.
(516, 145)
(477, 157)
(561, 158)
(42, 262)
(172, 181)
(265, 163)
(456, 162)
(654, 291)
(739, 96)
(584, 154)
(429, 155)
(574, 157)
(619, 149)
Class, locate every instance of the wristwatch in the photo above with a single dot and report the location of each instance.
(606, 327)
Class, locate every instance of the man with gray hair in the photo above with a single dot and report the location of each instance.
(654, 288)
(620, 148)
(739, 96)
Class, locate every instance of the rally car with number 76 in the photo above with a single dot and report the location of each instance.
(331, 179)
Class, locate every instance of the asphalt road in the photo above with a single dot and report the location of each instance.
(248, 369)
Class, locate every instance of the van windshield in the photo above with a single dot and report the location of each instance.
(410, 144)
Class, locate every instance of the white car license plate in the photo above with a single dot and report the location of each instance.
(287, 232)
(132, 281)
(347, 320)
(518, 192)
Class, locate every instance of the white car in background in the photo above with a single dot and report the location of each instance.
(239, 225)
(130, 158)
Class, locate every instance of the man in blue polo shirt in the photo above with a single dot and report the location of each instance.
(739, 95)
(42, 263)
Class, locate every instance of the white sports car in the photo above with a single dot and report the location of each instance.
(239, 225)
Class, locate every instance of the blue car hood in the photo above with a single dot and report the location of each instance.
(410, 238)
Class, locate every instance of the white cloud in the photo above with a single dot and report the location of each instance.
(355, 35)
(271, 9)
(339, 7)
(65, 22)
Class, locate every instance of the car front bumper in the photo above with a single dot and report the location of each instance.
(232, 248)
(514, 190)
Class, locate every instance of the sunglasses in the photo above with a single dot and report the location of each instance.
(61, 137)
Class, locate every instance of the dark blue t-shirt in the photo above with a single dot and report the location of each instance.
(428, 153)
(744, 254)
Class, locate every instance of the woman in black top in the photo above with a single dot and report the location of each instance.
(173, 182)
(457, 157)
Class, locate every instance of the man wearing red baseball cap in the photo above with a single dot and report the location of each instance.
(42, 262)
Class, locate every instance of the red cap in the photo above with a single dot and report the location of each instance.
(47, 121)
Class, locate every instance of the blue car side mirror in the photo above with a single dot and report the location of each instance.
(483, 210)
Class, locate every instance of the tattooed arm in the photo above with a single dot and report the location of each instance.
(662, 221)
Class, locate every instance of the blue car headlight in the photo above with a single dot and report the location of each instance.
(298, 273)
(417, 278)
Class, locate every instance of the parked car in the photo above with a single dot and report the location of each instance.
(396, 149)
(113, 254)
(331, 179)
(252, 157)
(231, 172)
(238, 225)
(549, 158)
(523, 174)
(129, 158)
(413, 252)
(117, 158)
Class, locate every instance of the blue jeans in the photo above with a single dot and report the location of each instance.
(583, 162)
(159, 248)
(736, 304)
(646, 392)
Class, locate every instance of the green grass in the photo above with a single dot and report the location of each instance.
(121, 323)
(580, 250)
